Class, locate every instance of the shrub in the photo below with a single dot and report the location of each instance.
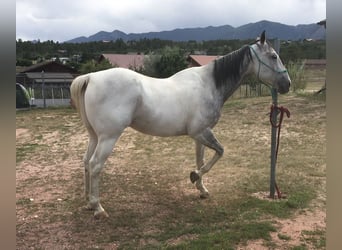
(296, 73)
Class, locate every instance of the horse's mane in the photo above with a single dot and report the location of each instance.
(229, 66)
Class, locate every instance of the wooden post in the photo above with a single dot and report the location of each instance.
(43, 89)
(53, 96)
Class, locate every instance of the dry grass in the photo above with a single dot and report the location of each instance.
(146, 188)
(315, 79)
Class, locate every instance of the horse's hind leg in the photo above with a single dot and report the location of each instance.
(208, 139)
(90, 151)
(103, 149)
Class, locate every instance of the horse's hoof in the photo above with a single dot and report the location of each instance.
(87, 208)
(100, 215)
(194, 176)
(204, 195)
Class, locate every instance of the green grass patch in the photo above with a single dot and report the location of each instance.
(235, 104)
(316, 238)
(300, 247)
(254, 208)
(229, 237)
(22, 151)
(300, 199)
(321, 97)
(23, 201)
(284, 237)
(224, 227)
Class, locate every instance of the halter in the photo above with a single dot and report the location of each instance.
(265, 64)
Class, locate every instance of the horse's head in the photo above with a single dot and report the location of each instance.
(267, 65)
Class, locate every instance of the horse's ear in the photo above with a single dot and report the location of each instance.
(263, 37)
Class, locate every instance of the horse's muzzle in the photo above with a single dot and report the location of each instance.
(284, 85)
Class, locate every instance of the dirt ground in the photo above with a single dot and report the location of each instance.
(49, 177)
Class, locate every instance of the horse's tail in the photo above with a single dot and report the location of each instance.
(77, 91)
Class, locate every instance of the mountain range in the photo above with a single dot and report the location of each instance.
(227, 32)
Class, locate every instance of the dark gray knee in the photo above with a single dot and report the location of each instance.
(220, 151)
(194, 176)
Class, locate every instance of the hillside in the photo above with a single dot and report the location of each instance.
(248, 31)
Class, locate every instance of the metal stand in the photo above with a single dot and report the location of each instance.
(273, 144)
(274, 93)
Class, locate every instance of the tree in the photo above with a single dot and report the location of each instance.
(23, 62)
(150, 65)
(171, 61)
(92, 66)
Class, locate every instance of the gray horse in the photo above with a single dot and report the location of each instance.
(187, 103)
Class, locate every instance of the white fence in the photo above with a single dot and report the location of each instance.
(50, 102)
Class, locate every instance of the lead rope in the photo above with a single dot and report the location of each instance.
(280, 110)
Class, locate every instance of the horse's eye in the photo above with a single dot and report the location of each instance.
(274, 56)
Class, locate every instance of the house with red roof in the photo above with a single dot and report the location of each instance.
(128, 61)
(136, 61)
(200, 60)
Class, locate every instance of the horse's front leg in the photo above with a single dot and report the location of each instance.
(199, 163)
(206, 138)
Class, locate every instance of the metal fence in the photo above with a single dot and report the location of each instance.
(247, 91)
(54, 95)
(48, 96)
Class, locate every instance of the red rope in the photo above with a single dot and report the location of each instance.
(279, 110)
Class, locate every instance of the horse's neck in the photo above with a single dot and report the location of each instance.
(228, 72)
(232, 85)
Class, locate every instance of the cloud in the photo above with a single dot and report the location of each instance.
(64, 19)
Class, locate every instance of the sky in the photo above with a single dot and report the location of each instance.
(63, 20)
